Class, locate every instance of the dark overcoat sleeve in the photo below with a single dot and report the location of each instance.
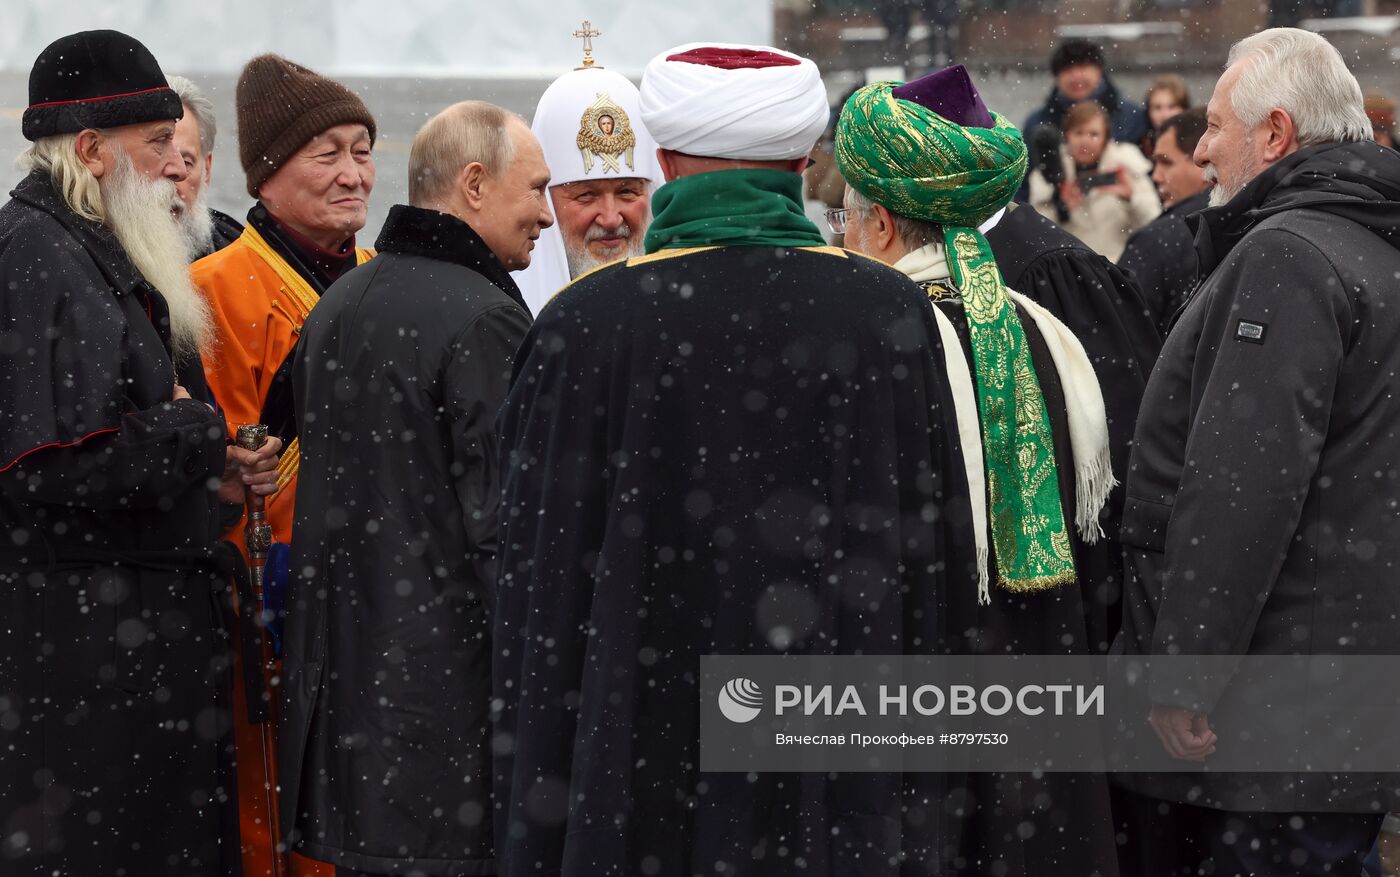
(148, 457)
(70, 432)
(1260, 416)
(474, 389)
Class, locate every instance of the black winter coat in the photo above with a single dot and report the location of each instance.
(1263, 503)
(400, 372)
(1161, 256)
(110, 655)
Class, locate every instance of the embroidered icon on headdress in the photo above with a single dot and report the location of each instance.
(604, 134)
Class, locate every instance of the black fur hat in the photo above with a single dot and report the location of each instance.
(96, 79)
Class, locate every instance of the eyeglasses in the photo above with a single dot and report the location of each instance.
(836, 218)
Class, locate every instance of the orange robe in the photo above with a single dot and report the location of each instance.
(259, 305)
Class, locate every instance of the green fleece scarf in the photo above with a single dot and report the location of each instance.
(915, 163)
(740, 208)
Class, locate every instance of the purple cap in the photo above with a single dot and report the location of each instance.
(949, 93)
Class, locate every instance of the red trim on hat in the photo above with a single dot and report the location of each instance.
(734, 59)
(88, 100)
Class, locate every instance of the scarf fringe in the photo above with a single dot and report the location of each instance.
(1093, 482)
(984, 579)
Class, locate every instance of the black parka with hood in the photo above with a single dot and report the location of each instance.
(1263, 496)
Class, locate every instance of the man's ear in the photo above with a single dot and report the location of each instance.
(471, 182)
(882, 232)
(89, 148)
(208, 167)
(1281, 136)
(667, 162)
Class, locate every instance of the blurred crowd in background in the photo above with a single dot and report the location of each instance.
(1110, 165)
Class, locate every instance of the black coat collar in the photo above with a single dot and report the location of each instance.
(37, 191)
(1218, 229)
(414, 231)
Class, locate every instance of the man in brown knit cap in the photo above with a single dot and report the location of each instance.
(305, 144)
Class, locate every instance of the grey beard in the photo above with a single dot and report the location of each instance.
(138, 212)
(197, 227)
(581, 261)
(1219, 193)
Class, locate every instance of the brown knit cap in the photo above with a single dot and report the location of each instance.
(281, 105)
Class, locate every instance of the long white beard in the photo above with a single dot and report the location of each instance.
(138, 211)
(197, 227)
(581, 261)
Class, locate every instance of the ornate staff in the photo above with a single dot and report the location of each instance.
(258, 534)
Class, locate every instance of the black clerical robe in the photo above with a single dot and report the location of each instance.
(739, 450)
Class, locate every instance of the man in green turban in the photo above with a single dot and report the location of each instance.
(943, 177)
(926, 164)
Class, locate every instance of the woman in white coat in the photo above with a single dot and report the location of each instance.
(1107, 191)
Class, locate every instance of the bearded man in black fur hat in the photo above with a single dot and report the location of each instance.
(112, 468)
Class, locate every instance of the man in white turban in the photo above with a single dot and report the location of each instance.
(602, 165)
(735, 444)
(728, 101)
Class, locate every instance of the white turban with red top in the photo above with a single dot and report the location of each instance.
(719, 100)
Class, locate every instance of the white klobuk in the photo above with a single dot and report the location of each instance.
(589, 124)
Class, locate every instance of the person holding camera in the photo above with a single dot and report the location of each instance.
(1099, 190)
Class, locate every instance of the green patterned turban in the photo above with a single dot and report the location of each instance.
(913, 162)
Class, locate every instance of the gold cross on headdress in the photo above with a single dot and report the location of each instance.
(587, 35)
